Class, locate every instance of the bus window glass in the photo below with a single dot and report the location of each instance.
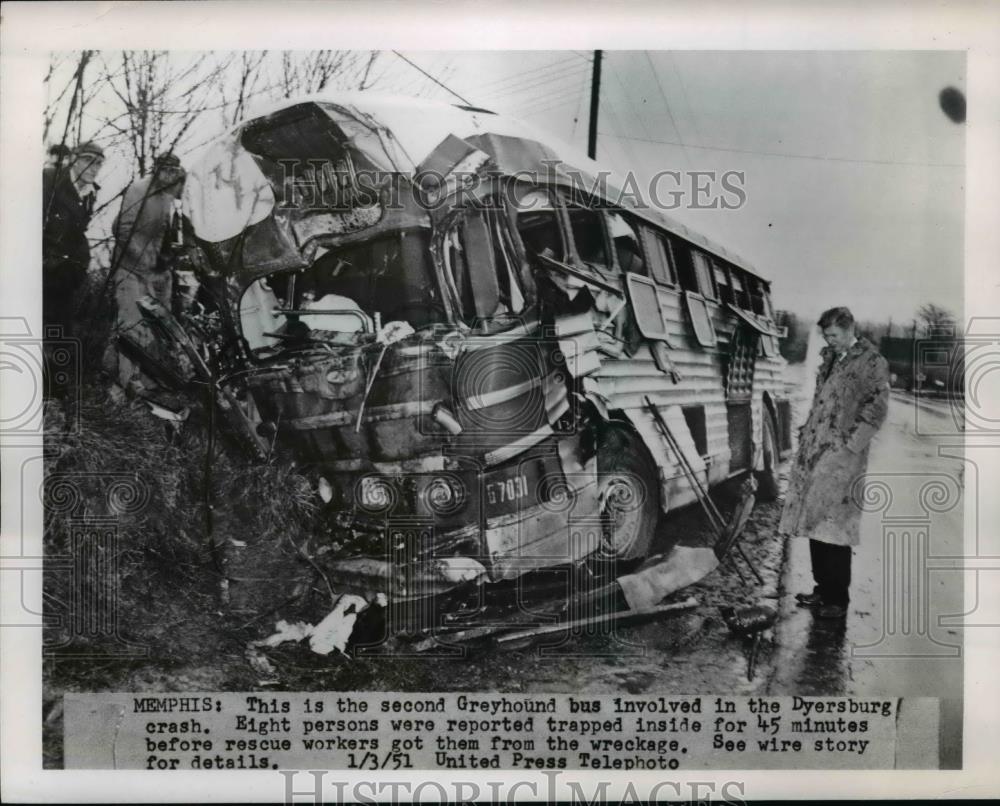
(703, 269)
(664, 249)
(588, 236)
(625, 237)
(658, 253)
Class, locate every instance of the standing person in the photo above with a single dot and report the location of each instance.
(142, 265)
(68, 190)
(58, 154)
(848, 408)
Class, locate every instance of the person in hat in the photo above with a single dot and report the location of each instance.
(849, 407)
(68, 190)
(141, 263)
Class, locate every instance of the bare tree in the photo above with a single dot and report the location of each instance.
(302, 74)
(77, 101)
(159, 98)
(372, 57)
(935, 319)
(249, 77)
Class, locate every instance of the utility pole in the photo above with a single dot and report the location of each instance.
(595, 103)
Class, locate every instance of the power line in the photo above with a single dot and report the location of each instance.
(515, 78)
(625, 97)
(418, 67)
(538, 110)
(542, 103)
(544, 97)
(666, 103)
(560, 75)
(782, 155)
(444, 73)
(687, 101)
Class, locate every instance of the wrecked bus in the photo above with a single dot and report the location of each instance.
(470, 343)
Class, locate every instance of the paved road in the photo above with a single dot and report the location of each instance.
(894, 641)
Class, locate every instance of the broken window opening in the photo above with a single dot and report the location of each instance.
(726, 288)
(740, 290)
(695, 418)
(538, 227)
(628, 251)
(481, 267)
(758, 297)
(686, 272)
(348, 287)
(587, 227)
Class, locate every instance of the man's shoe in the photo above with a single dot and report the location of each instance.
(832, 611)
(808, 599)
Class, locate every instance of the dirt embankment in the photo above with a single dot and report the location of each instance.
(177, 627)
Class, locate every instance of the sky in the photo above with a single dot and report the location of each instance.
(853, 175)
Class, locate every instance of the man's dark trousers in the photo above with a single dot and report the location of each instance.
(831, 567)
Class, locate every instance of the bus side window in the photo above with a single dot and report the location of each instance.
(703, 270)
(766, 300)
(684, 262)
(722, 280)
(628, 250)
(757, 299)
(538, 226)
(661, 264)
(740, 289)
(588, 235)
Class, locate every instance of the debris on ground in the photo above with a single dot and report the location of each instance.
(749, 623)
(334, 631)
(665, 574)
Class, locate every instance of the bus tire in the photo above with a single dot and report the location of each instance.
(767, 479)
(629, 495)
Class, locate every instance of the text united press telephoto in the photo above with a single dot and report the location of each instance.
(503, 410)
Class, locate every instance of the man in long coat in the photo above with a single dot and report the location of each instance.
(68, 190)
(141, 258)
(848, 408)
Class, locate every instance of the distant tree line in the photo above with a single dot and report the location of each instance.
(925, 355)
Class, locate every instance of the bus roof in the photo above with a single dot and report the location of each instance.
(416, 127)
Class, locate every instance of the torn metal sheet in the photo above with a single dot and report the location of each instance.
(371, 576)
(665, 574)
(618, 617)
(467, 426)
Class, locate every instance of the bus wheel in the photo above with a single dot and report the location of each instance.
(767, 479)
(630, 495)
